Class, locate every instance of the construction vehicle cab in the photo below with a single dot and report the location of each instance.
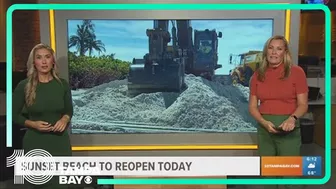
(248, 63)
(164, 67)
(206, 53)
(160, 70)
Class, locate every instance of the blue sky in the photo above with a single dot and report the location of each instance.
(128, 40)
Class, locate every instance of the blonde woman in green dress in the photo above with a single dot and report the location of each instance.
(47, 101)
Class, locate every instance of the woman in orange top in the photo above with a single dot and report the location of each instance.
(281, 88)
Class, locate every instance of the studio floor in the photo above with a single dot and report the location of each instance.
(307, 149)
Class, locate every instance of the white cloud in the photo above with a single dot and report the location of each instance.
(128, 29)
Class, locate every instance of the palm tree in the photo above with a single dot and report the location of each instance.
(89, 24)
(95, 45)
(80, 39)
(85, 39)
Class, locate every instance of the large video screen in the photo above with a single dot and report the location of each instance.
(128, 77)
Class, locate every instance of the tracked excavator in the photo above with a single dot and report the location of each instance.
(163, 69)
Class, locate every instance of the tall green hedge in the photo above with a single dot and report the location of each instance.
(87, 72)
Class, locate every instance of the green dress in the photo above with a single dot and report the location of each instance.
(53, 100)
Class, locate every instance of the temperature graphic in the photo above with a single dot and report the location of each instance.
(311, 166)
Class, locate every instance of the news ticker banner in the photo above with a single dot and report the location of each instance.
(187, 7)
(38, 166)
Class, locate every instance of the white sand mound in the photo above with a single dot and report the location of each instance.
(203, 105)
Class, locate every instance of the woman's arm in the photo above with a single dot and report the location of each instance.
(18, 103)
(62, 124)
(301, 87)
(302, 105)
(253, 100)
(17, 107)
(253, 106)
(302, 101)
(254, 111)
(68, 102)
(68, 106)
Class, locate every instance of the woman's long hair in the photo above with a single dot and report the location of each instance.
(288, 62)
(32, 74)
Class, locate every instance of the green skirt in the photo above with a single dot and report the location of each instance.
(282, 144)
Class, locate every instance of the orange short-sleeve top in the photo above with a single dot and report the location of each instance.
(277, 96)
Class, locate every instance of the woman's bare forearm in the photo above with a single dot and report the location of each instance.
(300, 110)
(256, 115)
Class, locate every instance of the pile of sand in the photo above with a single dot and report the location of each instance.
(204, 105)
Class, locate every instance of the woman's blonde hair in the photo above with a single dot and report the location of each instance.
(32, 74)
(287, 58)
